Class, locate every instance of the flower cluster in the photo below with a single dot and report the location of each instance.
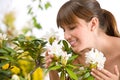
(57, 50)
(62, 61)
(95, 57)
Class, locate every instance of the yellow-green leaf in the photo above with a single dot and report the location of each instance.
(71, 74)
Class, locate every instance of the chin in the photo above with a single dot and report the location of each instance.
(76, 50)
(80, 51)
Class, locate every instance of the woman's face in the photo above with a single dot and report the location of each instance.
(79, 35)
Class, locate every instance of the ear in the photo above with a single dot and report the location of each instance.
(94, 23)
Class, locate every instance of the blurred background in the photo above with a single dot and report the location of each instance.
(36, 18)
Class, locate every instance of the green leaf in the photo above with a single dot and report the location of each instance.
(66, 46)
(4, 42)
(39, 6)
(5, 74)
(10, 50)
(36, 24)
(47, 5)
(25, 30)
(71, 74)
(30, 10)
(4, 57)
(86, 75)
(55, 68)
(3, 51)
(72, 58)
(90, 78)
(70, 66)
(21, 78)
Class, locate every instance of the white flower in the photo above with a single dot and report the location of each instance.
(57, 50)
(65, 57)
(95, 57)
(15, 77)
(51, 33)
(81, 68)
(3, 36)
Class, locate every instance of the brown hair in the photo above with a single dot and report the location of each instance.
(87, 9)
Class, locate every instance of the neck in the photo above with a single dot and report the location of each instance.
(108, 44)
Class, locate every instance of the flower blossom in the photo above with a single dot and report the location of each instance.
(15, 77)
(51, 33)
(57, 50)
(95, 57)
(3, 36)
(53, 38)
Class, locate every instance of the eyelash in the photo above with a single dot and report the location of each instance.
(72, 28)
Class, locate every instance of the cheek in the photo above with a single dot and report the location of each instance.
(84, 40)
(84, 33)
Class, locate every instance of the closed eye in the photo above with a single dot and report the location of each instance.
(72, 28)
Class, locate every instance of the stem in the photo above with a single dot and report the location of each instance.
(63, 75)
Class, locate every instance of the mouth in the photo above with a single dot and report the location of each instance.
(72, 43)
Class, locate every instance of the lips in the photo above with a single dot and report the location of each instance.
(72, 43)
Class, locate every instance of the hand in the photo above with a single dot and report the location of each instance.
(48, 59)
(105, 74)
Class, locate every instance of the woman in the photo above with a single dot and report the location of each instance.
(86, 25)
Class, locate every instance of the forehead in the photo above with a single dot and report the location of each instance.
(77, 22)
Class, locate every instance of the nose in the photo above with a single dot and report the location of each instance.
(67, 35)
